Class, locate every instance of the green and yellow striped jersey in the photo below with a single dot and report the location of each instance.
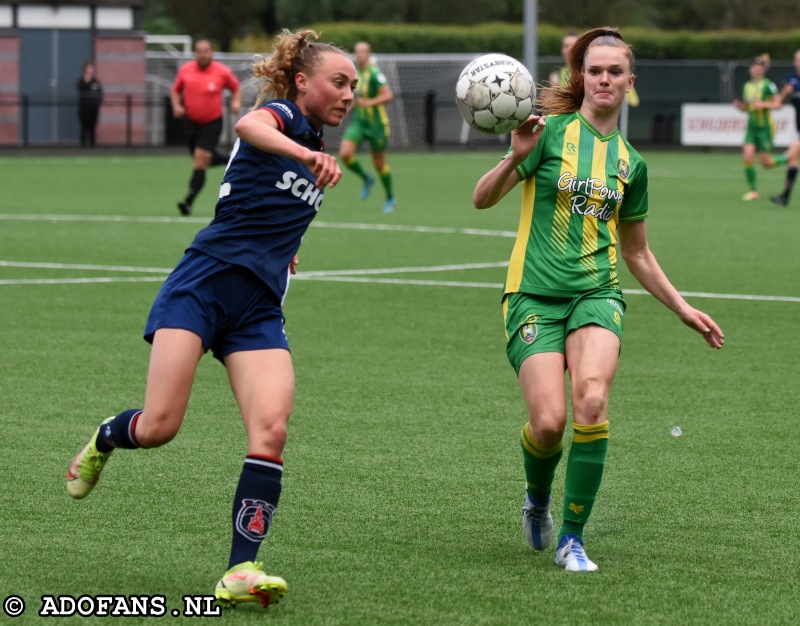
(370, 81)
(761, 90)
(577, 186)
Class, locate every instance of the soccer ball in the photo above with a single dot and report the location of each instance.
(495, 94)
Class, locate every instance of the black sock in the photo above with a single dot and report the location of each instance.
(195, 185)
(791, 174)
(119, 432)
(254, 505)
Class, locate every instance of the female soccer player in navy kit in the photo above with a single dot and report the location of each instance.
(584, 186)
(225, 295)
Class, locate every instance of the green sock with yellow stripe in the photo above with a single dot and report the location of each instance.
(386, 179)
(585, 462)
(540, 466)
(750, 176)
(354, 165)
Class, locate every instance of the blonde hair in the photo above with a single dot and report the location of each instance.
(762, 59)
(292, 53)
(568, 98)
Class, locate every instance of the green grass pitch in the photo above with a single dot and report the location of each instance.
(403, 485)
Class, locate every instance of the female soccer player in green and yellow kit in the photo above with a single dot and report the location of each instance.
(583, 188)
(760, 97)
(369, 123)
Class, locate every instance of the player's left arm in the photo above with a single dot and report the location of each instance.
(384, 96)
(643, 265)
(771, 98)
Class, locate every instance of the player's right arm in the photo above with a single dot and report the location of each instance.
(176, 97)
(261, 128)
(503, 177)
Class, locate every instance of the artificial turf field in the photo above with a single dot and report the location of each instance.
(403, 484)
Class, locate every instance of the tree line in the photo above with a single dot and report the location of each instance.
(225, 20)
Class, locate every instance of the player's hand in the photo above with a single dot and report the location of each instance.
(525, 138)
(293, 265)
(178, 111)
(325, 168)
(703, 324)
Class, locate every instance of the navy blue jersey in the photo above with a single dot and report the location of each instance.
(794, 98)
(266, 203)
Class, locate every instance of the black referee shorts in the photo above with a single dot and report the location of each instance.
(203, 136)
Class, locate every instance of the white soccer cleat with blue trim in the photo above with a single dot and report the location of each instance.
(571, 556)
(537, 524)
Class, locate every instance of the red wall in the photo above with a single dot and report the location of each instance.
(9, 89)
(120, 62)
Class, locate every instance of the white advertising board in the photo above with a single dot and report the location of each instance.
(724, 125)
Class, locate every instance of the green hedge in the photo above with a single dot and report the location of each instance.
(508, 38)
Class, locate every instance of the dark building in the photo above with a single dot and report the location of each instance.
(43, 46)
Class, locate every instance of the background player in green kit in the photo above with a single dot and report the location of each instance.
(583, 188)
(369, 123)
(760, 96)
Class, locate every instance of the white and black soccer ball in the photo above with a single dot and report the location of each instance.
(495, 94)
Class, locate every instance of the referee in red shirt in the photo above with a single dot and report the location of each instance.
(197, 96)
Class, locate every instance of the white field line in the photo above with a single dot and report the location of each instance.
(99, 268)
(83, 281)
(347, 276)
(355, 276)
(155, 219)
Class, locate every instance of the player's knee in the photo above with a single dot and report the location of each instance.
(269, 436)
(590, 403)
(547, 429)
(156, 428)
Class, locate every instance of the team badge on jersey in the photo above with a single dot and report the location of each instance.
(623, 169)
(254, 519)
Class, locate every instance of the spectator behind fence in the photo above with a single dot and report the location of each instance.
(90, 97)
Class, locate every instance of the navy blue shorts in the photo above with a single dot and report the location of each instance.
(225, 305)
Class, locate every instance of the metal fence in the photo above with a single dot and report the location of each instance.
(422, 116)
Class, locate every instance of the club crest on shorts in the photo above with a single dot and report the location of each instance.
(528, 329)
(254, 519)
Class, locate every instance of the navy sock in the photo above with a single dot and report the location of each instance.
(254, 505)
(119, 432)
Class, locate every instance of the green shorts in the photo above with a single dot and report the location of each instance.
(760, 137)
(375, 134)
(537, 324)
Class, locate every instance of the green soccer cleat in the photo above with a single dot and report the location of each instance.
(84, 472)
(247, 582)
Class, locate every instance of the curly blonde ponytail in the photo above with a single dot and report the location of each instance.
(292, 53)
